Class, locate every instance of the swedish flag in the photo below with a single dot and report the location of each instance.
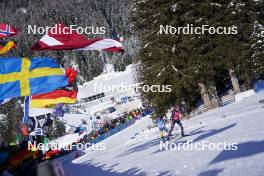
(25, 77)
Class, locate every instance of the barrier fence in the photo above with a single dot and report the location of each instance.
(225, 100)
(113, 131)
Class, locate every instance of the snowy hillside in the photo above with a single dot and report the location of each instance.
(136, 150)
(107, 90)
(104, 81)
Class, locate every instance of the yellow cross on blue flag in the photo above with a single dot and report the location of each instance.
(25, 77)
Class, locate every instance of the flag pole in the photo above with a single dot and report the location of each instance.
(26, 109)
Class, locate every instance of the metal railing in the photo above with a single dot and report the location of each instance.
(225, 100)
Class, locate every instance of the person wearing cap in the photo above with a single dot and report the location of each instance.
(176, 118)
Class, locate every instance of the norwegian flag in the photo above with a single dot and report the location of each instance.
(71, 40)
(7, 30)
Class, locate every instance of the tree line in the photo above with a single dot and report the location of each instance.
(199, 66)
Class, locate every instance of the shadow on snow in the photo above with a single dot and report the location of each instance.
(74, 169)
(213, 172)
(243, 150)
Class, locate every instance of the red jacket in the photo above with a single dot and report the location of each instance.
(71, 74)
(176, 115)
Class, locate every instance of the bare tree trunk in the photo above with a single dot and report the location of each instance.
(234, 81)
(214, 97)
(205, 96)
(104, 60)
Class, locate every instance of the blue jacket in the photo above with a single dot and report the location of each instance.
(161, 123)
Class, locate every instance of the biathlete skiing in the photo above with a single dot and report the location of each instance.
(176, 116)
(161, 122)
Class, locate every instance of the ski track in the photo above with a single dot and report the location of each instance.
(241, 122)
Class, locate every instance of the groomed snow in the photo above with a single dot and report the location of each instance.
(243, 95)
(136, 150)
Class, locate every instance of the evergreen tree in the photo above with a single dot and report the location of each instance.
(56, 129)
(193, 63)
(13, 113)
(164, 57)
(257, 53)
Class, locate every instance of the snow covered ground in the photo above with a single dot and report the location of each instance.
(103, 82)
(136, 150)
